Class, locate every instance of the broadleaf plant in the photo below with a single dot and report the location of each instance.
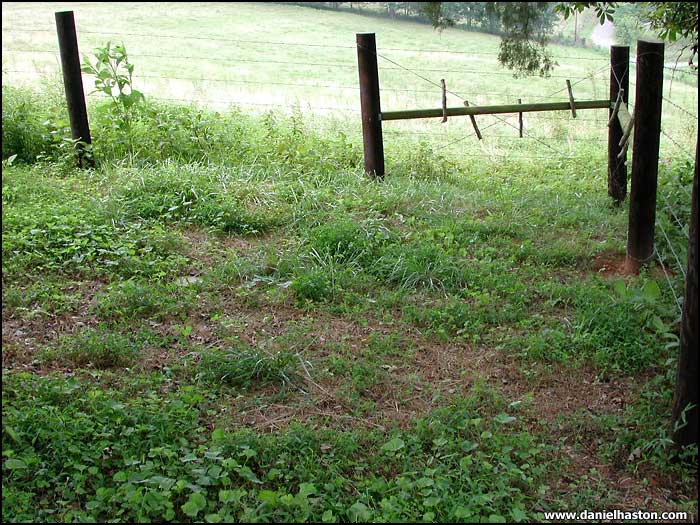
(114, 77)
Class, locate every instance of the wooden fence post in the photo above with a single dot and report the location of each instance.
(73, 83)
(369, 101)
(687, 391)
(619, 81)
(645, 154)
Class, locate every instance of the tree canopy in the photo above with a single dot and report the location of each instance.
(526, 27)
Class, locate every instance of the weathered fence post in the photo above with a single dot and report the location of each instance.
(687, 390)
(369, 101)
(645, 154)
(73, 83)
(619, 81)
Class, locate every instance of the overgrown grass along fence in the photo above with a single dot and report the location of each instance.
(562, 130)
(216, 254)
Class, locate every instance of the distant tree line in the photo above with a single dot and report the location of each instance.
(473, 16)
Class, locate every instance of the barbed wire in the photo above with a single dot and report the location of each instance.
(681, 148)
(506, 96)
(668, 279)
(577, 80)
(314, 64)
(261, 104)
(670, 210)
(670, 245)
(277, 43)
(604, 68)
(679, 107)
(682, 71)
(38, 51)
(454, 94)
(498, 137)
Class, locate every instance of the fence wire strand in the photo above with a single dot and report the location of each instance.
(668, 279)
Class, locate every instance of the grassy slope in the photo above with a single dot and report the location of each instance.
(470, 67)
(453, 343)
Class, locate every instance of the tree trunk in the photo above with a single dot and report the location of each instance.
(687, 379)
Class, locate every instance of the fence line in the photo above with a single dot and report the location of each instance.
(686, 71)
(317, 64)
(509, 137)
(302, 44)
(673, 251)
(577, 80)
(442, 87)
(323, 86)
(261, 104)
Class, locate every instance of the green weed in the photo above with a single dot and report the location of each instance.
(244, 367)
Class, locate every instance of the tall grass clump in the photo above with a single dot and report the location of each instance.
(30, 128)
(244, 367)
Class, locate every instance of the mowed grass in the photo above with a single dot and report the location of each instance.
(227, 321)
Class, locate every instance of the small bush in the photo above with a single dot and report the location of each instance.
(177, 195)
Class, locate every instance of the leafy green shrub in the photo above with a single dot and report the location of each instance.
(643, 433)
(623, 332)
(454, 318)
(289, 141)
(343, 240)
(74, 453)
(625, 329)
(245, 367)
(422, 161)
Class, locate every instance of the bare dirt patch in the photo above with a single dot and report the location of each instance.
(206, 247)
(615, 264)
(25, 334)
(611, 264)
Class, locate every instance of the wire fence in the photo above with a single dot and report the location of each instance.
(332, 94)
(671, 224)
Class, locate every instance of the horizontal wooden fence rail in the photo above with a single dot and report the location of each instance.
(494, 110)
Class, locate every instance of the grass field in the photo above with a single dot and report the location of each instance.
(225, 320)
(259, 57)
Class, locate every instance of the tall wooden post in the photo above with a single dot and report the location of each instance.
(645, 154)
(619, 84)
(73, 83)
(369, 101)
(687, 391)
